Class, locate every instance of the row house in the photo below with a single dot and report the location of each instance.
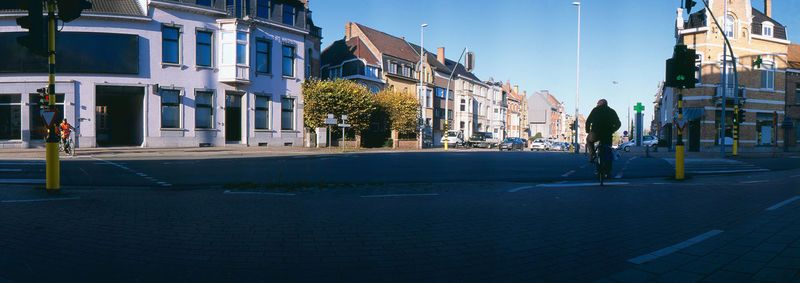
(793, 95)
(753, 34)
(432, 91)
(547, 115)
(499, 109)
(167, 73)
(514, 117)
(472, 105)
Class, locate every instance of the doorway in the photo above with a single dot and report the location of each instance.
(233, 117)
(694, 135)
(119, 116)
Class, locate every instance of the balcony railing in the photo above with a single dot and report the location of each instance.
(234, 74)
(729, 92)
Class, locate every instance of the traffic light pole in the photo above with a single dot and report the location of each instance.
(679, 146)
(51, 148)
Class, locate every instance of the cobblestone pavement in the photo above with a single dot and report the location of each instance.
(490, 231)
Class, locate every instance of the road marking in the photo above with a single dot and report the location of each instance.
(35, 200)
(141, 174)
(514, 190)
(23, 181)
(22, 163)
(674, 248)
(257, 193)
(751, 182)
(778, 205)
(399, 195)
(619, 175)
(580, 184)
(794, 156)
(659, 183)
(10, 170)
(728, 171)
(568, 173)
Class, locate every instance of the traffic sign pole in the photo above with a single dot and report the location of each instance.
(53, 181)
(679, 146)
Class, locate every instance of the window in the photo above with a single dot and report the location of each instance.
(241, 48)
(170, 45)
(392, 68)
(449, 114)
(374, 88)
(262, 112)
(730, 26)
(11, 117)
(463, 105)
(797, 96)
(204, 2)
(768, 76)
(288, 61)
(203, 116)
(371, 72)
(287, 113)
(698, 62)
(428, 101)
(170, 108)
(288, 15)
(439, 92)
(308, 63)
(461, 125)
(406, 71)
(766, 29)
(37, 128)
(204, 48)
(262, 56)
(262, 9)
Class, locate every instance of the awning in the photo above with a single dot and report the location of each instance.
(691, 113)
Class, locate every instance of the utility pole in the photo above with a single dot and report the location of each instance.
(447, 99)
(422, 99)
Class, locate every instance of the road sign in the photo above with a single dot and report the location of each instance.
(344, 117)
(681, 123)
(49, 116)
(625, 133)
(344, 125)
(331, 121)
(639, 107)
(330, 116)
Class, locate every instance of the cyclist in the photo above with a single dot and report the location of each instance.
(65, 128)
(600, 126)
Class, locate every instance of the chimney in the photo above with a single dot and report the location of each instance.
(440, 55)
(768, 8)
(516, 89)
(348, 30)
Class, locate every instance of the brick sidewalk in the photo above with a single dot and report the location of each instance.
(766, 248)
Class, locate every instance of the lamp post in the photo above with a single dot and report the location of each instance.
(422, 98)
(578, 79)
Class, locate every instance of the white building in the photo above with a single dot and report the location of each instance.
(498, 109)
(162, 73)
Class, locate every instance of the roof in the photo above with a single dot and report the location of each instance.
(114, 7)
(431, 58)
(389, 45)
(460, 70)
(794, 56)
(553, 101)
(779, 31)
(341, 50)
(696, 20)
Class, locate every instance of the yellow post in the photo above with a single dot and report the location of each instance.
(679, 146)
(736, 130)
(446, 140)
(51, 147)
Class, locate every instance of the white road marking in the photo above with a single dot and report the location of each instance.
(398, 195)
(674, 248)
(619, 175)
(22, 163)
(751, 182)
(23, 181)
(514, 190)
(568, 173)
(10, 170)
(35, 200)
(257, 193)
(580, 184)
(778, 205)
(728, 171)
(141, 174)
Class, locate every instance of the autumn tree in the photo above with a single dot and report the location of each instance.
(400, 109)
(339, 97)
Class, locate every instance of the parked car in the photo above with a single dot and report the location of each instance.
(482, 139)
(559, 146)
(511, 143)
(650, 141)
(540, 144)
(453, 138)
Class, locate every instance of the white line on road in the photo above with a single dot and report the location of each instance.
(728, 171)
(580, 184)
(10, 170)
(35, 200)
(674, 248)
(141, 174)
(399, 195)
(514, 190)
(778, 205)
(23, 181)
(619, 175)
(257, 193)
(568, 173)
(751, 182)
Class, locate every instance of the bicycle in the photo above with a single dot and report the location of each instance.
(603, 161)
(69, 146)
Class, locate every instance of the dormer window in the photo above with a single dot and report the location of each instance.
(288, 15)
(767, 28)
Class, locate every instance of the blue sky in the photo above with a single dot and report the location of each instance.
(533, 43)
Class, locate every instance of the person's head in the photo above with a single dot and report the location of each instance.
(65, 120)
(602, 102)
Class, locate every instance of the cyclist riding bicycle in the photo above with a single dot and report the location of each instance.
(65, 128)
(600, 125)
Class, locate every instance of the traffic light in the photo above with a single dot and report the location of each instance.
(43, 96)
(740, 119)
(689, 4)
(681, 68)
(69, 10)
(36, 39)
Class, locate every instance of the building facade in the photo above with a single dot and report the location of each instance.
(164, 73)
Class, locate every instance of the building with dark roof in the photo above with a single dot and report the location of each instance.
(167, 73)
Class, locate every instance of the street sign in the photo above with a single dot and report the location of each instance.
(49, 116)
(331, 121)
(330, 116)
(681, 123)
(625, 133)
(344, 125)
(344, 117)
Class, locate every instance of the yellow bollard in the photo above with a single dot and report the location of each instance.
(52, 168)
(679, 162)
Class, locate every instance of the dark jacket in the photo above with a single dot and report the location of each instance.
(603, 121)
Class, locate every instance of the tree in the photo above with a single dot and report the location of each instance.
(537, 136)
(400, 109)
(339, 97)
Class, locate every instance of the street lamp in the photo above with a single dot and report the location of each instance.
(419, 89)
(578, 79)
